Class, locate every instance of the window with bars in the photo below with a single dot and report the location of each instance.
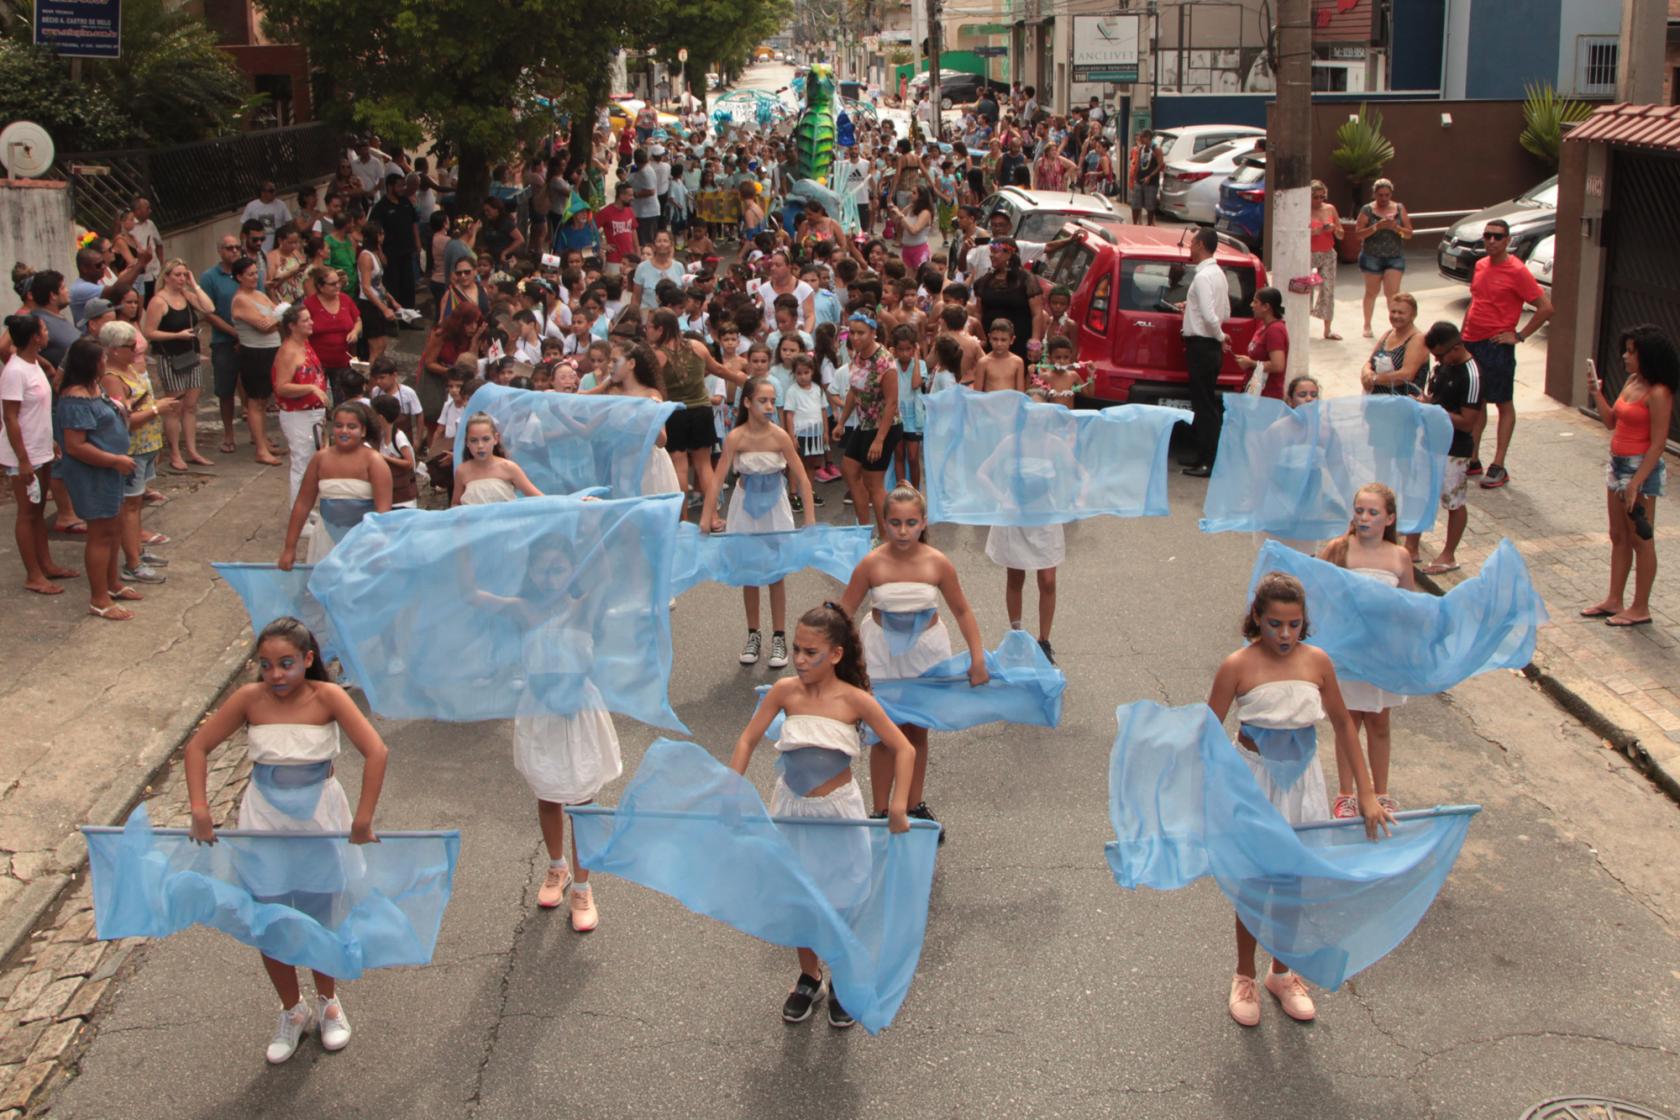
(1596, 57)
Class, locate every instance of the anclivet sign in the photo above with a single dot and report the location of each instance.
(80, 28)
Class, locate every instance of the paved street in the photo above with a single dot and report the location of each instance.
(1548, 965)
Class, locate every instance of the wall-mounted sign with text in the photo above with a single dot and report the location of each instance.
(80, 28)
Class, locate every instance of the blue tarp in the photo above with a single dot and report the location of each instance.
(1294, 472)
(850, 891)
(493, 611)
(1001, 459)
(1324, 900)
(565, 442)
(1411, 642)
(313, 900)
(760, 559)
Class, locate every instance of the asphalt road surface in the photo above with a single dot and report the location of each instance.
(1546, 966)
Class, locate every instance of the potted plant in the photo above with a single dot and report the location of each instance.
(1362, 152)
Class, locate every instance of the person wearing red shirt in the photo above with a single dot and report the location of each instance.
(337, 323)
(618, 230)
(1499, 288)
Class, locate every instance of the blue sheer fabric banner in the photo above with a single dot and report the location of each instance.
(565, 442)
(269, 593)
(313, 900)
(689, 827)
(494, 611)
(1294, 472)
(1412, 642)
(1001, 459)
(1323, 899)
(760, 559)
(1024, 688)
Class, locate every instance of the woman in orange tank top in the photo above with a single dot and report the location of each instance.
(1637, 476)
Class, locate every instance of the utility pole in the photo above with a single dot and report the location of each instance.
(1639, 69)
(1289, 172)
(934, 36)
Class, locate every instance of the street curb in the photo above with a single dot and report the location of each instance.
(1605, 714)
(21, 918)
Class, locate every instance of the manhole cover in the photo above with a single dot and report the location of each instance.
(1590, 1108)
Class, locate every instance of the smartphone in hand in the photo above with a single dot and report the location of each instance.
(1592, 376)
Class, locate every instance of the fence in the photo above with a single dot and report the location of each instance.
(189, 183)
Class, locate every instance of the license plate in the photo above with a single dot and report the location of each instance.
(1173, 402)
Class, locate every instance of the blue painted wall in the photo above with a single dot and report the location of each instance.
(1512, 43)
(1177, 110)
(1418, 31)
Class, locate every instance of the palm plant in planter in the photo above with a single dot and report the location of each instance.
(1545, 113)
(1362, 152)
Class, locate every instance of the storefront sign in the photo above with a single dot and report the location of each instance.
(1105, 48)
(80, 28)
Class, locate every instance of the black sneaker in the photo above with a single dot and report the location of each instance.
(798, 503)
(838, 1017)
(1495, 477)
(878, 815)
(1050, 654)
(807, 993)
(921, 812)
(816, 499)
(1473, 469)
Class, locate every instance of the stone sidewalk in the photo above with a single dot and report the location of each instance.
(1624, 684)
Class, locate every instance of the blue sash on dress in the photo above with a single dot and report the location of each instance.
(760, 492)
(902, 628)
(1286, 751)
(806, 768)
(293, 788)
(340, 515)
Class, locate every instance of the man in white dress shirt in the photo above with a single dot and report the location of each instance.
(1205, 307)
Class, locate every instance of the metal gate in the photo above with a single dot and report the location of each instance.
(1642, 278)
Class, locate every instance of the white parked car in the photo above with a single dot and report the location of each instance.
(1178, 144)
(1539, 261)
(1190, 187)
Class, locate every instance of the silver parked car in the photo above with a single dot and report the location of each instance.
(1532, 216)
(1190, 187)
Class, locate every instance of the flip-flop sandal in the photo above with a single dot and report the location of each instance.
(228, 448)
(1629, 625)
(1438, 569)
(154, 538)
(112, 613)
(128, 595)
(1596, 612)
(74, 529)
(49, 589)
(153, 498)
(1332, 337)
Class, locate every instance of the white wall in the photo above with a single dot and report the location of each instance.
(1578, 18)
(36, 227)
(1455, 53)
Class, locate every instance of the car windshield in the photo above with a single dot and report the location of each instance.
(1158, 285)
(1042, 225)
(1248, 173)
(1543, 195)
(1068, 267)
(1208, 155)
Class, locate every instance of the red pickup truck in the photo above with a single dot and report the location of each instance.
(1126, 281)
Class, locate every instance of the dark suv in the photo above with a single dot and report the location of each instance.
(958, 87)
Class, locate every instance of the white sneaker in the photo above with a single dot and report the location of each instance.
(335, 1028)
(755, 643)
(294, 1022)
(778, 652)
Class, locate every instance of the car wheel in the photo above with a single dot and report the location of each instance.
(945, 103)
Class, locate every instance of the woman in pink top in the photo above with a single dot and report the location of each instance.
(1325, 227)
(1637, 476)
(26, 450)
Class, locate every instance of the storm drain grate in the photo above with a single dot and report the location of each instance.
(1590, 1108)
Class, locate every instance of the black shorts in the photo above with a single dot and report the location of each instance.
(374, 323)
(256, 371)
(912, 437)
(691, 429)
(858, 442)
(1496, 362)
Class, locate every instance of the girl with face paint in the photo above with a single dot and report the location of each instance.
(349, 479)
(1281, 687)
(292, 715)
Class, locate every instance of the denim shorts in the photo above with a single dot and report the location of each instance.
(1378, 265)
(145, 469)
(1622, 468)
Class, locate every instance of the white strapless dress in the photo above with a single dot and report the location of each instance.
(1282, 706)
(900, 648)
(1358, 695)
(487, 491)
(341, 503)
(760, 503)
(838, 860)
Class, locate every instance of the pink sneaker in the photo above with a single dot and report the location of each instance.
(584, 915)
(1244, 1003)
(553, 890)
(1345, 807)
(1291, 993)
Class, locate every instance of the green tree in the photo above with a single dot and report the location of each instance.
(457, 70)
(717, 33)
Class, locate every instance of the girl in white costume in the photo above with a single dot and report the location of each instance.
(1371, 548)
(486, 475)
(1281, 687)
(348, 477)
(292, 717)
(765, 457)
(824, 702)
(904, 635)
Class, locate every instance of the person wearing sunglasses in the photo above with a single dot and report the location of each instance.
(1499, 288)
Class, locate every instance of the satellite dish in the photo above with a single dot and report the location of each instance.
(25, 149)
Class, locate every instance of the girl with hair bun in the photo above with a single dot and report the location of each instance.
(824, 702)
(1371, 548)
(903, 636)
(1281, 687)
(293, 716)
